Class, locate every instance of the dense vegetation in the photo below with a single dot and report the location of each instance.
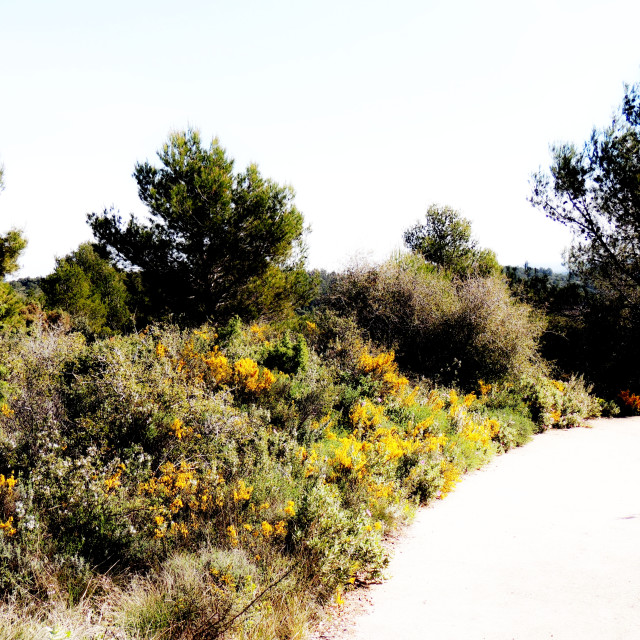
(201, 439)
(158, 483)
(595, 191)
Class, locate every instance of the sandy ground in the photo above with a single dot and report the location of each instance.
(544, 542)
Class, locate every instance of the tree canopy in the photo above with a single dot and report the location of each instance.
(90, 289)
(595, 191)
(12, 244)
(445, 240)
(212, 236)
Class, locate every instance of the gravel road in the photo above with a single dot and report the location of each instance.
(544, 542)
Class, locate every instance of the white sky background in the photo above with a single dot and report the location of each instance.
(370, 110)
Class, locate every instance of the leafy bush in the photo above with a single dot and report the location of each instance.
(442, 328)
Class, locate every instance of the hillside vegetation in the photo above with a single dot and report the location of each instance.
(192, 483)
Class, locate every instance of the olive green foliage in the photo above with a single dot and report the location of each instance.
(445, 240)
(441, 327)
(596, 192)
(543, 402)
(11, 307)
(216, 243)
(594, 189)
(287, 356)
(589, 333)
(12, 244)
(88, 288)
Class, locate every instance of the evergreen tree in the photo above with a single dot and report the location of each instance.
(214, 239)
(88, 288)
(444, 239)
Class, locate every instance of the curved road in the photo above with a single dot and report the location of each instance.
(544, 542)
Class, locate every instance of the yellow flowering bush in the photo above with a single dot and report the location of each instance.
(250, 377)
(234, 455)
(383, 369)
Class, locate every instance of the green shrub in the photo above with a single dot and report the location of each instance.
(442, 328)
(286, 356)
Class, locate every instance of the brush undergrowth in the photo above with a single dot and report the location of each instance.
(202, 484)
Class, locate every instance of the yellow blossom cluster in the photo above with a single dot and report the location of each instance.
(350, 454)
(365, 415)
(242, 492)
(480, 432)
(5, 410)
(391, 445)
(450, 474)
(216, 369)
(113, 482)
(252, 378)
(7, 483)
(177, 493)
(484, 388)
(434, 401)
(218, 366)
(383, 368)
(179, 430)
(257, 332)
(7, 527)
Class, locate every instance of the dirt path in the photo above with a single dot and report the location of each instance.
(542, 543)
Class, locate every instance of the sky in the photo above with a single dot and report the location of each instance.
(371, 111)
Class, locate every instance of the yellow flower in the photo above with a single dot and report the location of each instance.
(469, 399)
(176, 505)
(233, 535)
(7, 527)
(451, 475)
(5, 410)
(257, 331)
(383, 368)
(290, 509)
(219, 366)
(484, 388)
(242, 492)
(9, 482)
(267, 529)
(247, 374)
(161, 350)
(113, 482)
(179, 430)
(281, 528)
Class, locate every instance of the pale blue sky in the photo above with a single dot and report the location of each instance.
(370, 110)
